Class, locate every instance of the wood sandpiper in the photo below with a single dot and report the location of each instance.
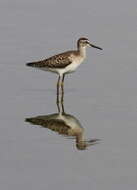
(64, 63)
(64, 124)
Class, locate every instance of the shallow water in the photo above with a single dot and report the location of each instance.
(102, 95)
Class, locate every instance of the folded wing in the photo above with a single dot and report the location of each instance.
(57, 61)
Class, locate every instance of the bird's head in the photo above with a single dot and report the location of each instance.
(82, 145)
(84, 42)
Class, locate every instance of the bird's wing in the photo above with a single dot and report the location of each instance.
(56, 125)
(57, 61)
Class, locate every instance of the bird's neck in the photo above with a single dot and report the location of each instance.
(79, 137)
(82, 51)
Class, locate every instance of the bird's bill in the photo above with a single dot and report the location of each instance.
(92, 142)
(82, 145)
(91, 45)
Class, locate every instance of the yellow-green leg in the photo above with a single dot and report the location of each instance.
(62, 88)
(58, 86)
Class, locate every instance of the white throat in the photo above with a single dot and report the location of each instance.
(82, 51)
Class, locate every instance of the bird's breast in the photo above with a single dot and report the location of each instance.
(76, 61)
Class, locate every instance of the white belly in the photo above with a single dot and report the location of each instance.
(69, 69)
(73, 66)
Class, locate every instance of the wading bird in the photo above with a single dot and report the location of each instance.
(64, 124)
(64, 63)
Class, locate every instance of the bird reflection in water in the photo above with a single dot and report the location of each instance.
(64, 124)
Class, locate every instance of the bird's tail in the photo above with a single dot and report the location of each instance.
(32, 64)
(35, 64)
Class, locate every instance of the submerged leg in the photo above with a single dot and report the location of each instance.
(62, 88)
(58, 106)
(62, 105)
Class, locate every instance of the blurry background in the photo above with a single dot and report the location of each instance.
(102, 94)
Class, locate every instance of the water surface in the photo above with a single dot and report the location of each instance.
(102, 95)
